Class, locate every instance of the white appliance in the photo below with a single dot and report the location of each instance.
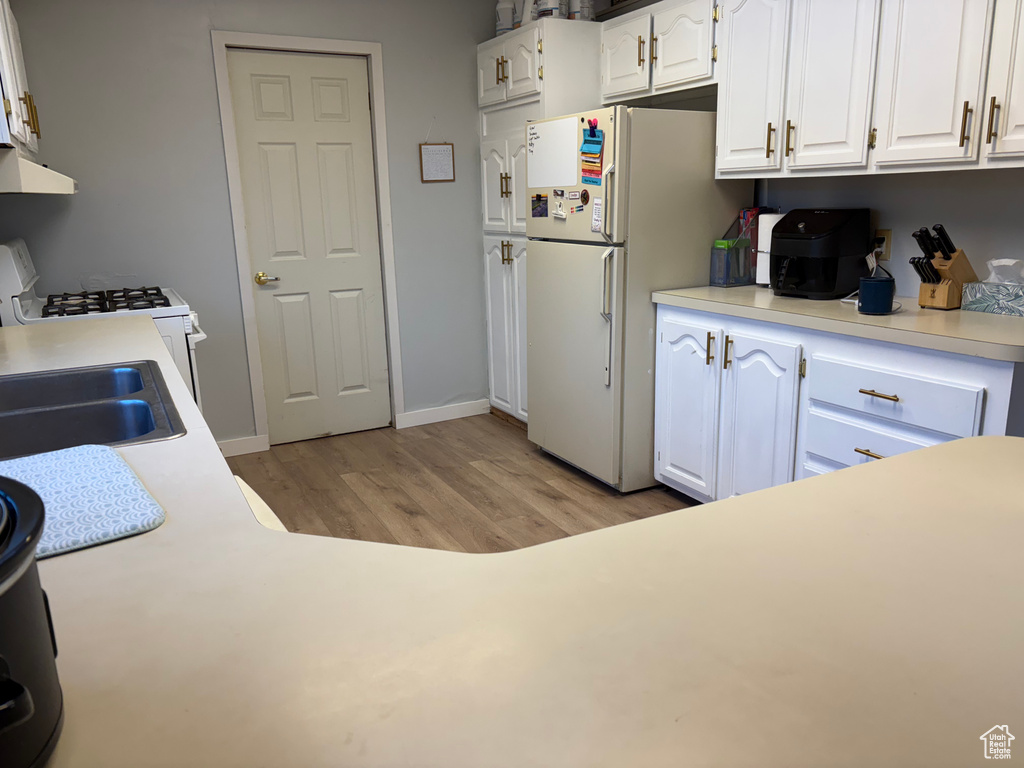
(765, 224)
(19, 305)
(613, 214)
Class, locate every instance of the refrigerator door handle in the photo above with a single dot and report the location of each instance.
(606, 232)
(606, 310)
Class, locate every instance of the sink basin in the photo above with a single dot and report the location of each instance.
(40, 390)
(117, 405)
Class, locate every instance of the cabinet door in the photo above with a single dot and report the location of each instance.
(757, 441)
(625, 58)
(687, 376)
(829, 88)
(517, 169)
(751, 67)
(519, 315)
(681, 43)
(523, 67)
(495, 166)
(1004, 118)
(931, 61)
(17, 122)
(490, 86)
(500, 333)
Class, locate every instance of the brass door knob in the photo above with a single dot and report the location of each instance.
(262, 278)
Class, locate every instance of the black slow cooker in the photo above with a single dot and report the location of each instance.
(31, 703)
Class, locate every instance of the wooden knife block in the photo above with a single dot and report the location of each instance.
(953, 273)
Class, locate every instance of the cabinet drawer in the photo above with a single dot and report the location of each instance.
(838, 440)
(943, 406)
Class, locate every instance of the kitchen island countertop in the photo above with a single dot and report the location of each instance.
(866, 617)
(980, 334)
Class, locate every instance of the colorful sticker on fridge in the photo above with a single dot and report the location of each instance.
(585, 196)
(539, 206)
(574, 195)
(577, 209)
(558, 193)
(597, 218)
(592, 154)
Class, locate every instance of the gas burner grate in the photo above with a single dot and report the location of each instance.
(134, 294)
(75, 308)
(95, 302)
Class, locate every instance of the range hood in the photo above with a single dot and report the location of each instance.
(19, 174)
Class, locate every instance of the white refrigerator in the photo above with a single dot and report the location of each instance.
(622, 202)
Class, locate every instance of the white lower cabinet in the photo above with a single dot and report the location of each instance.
(742, 405)
(505, 275)
(725, 405)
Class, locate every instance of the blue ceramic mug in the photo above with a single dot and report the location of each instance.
(876, 295)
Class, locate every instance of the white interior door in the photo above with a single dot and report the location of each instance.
(494, 165)
(931, 61)
(757, 439)
(500, 330)
(306, 157)
(522, 68)
(686, 404)
(519, 313)
(751, 70)
(489, 77)
(574, 354)
(1004, 108)
(681, 43)
(625, 58)
(830, 85)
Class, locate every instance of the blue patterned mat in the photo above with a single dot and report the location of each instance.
(91, 496)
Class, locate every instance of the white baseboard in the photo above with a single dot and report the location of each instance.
(444, 413)
(242, 445)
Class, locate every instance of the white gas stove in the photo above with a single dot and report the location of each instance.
(19, 305)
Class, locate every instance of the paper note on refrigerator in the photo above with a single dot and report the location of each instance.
(597, 218)
(592, 156)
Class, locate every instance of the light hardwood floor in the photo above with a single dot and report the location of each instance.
(469, 485)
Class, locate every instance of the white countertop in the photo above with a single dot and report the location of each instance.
(980, 334)
(867, 617)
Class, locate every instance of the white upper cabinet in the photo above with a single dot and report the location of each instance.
(507, 68)
(760, 385)
(829, 86)
(1004, 107)
(681, 43)
(489, 79)
(22, 125)
(930, 85)
(625, 58)
(751, 61)
(522, 70)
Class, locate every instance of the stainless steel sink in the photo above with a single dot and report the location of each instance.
(76, 385)
(121, 404)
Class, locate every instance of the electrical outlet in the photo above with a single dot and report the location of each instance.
(883, 250)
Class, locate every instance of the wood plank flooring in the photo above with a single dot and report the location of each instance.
(469, 485)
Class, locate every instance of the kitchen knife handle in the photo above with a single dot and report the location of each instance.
(964, 138)
(990, 134)
(708, 357)
(944, 238)
(768, 143)
(921, 243)
(872, 393)
(869, 454)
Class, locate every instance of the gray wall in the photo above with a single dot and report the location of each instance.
(979, 208)
(128, 106)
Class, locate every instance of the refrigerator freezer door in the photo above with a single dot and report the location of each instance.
(576, 180)
(574, 354)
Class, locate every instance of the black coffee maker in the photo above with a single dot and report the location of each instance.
(818, 253)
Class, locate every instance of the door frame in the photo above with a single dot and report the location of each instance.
(373, 54)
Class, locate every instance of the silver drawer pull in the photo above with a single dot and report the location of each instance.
(869, 454)
(872, 393)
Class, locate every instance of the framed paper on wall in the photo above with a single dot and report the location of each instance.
(437, 162)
